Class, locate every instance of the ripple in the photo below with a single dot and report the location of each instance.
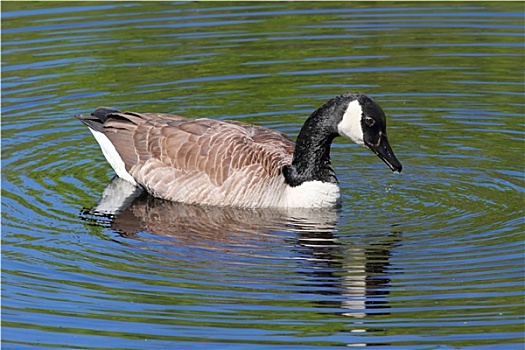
(429, 257)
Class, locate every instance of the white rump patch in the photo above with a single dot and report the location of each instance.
(350, 125)
(112, 156)
(312, 194)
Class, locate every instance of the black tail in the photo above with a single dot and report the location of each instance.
(97, 118)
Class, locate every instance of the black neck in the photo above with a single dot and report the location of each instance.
(311, 158)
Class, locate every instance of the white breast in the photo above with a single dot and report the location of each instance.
(312, 194)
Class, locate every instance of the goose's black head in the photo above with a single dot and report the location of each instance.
(364, 122)
(355, 116)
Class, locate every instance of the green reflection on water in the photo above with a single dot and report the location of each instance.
(453, 92)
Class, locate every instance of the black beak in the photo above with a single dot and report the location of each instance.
(384, 151)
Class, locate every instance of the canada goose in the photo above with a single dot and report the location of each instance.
(228, 163)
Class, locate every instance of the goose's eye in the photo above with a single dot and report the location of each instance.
(369, 121)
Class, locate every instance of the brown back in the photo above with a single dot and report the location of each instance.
(214, 148)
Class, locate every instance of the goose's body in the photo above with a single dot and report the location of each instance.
(228, 163)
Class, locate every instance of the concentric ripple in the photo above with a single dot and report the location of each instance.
(429, 258)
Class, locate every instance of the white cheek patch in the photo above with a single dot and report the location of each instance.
(350, 125)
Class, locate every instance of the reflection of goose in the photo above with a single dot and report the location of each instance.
(131, 211)
(347, 275)
(357, 272)
(228, 163)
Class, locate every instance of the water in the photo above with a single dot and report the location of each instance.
(430, 258)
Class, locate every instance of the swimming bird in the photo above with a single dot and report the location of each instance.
(229, 163)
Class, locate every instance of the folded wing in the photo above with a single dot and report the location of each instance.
(196, 160)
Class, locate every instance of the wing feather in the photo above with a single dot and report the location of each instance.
(193, 160)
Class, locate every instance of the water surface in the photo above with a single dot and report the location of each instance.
(429, 258)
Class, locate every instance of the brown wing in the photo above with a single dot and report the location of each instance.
(167, 153)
